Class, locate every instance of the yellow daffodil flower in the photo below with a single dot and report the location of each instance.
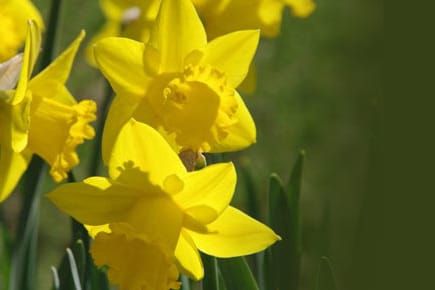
(223, 16)
(13, 19)
(180, 84)
(159, 210)
(40, 115)
(126, 18)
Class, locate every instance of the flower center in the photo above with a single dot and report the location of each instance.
(197, 106)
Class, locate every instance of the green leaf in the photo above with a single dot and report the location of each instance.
(98, 280)
(293, 197)
(236, 274)
(55, 276)
(23, 265)
(282, 261)
(66, 273)
(74, 270)
(5, 258)
(211, 273)
(325, 276)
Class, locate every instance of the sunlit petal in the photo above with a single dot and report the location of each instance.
(234, 234)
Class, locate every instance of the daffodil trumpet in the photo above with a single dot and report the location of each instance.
(39, 115)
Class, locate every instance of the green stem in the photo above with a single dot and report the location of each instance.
(95, 164)
(47, 54)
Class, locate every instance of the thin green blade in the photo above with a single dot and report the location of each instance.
(236, 274)
(283, 261)
(325, 276)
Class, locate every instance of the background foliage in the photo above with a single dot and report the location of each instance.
(318, 86)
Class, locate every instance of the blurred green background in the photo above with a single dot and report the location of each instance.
(318, 88)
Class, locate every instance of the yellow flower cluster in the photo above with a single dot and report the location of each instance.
(175, 98)
(39, 115)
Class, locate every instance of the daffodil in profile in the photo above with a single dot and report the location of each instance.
(13, 25)
(39, 115)
(126, 18)
(179, 83)
(152, 212)
(223, 16)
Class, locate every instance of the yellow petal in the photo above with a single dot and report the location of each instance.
(140, 146)
(57, 72)
(95, 230)
(249, 84)
(301, 8)
(234, 234)
(95, 201)
(20, 117)
(240, 135)
(110, 29)
(121, 62)
(207, 192)
(232, 54)
(12, 167)
(188, 259)
(14, 15)
(121, 110)
(31, 51)
(177, 33)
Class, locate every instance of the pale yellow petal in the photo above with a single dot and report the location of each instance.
(233, 54)
(177, 33)
(234, 234)
(121, 62)
(188, 258)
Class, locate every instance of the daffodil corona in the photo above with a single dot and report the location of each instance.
(157, 214)
(39, 115)
(179, 84)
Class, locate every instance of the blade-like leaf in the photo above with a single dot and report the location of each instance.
(211, 273)
(23, 264)
(325, 276)
(293, 197)
(236, 274)
(5, 258)
(282, 262)
(55, 275)
(74, 271)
